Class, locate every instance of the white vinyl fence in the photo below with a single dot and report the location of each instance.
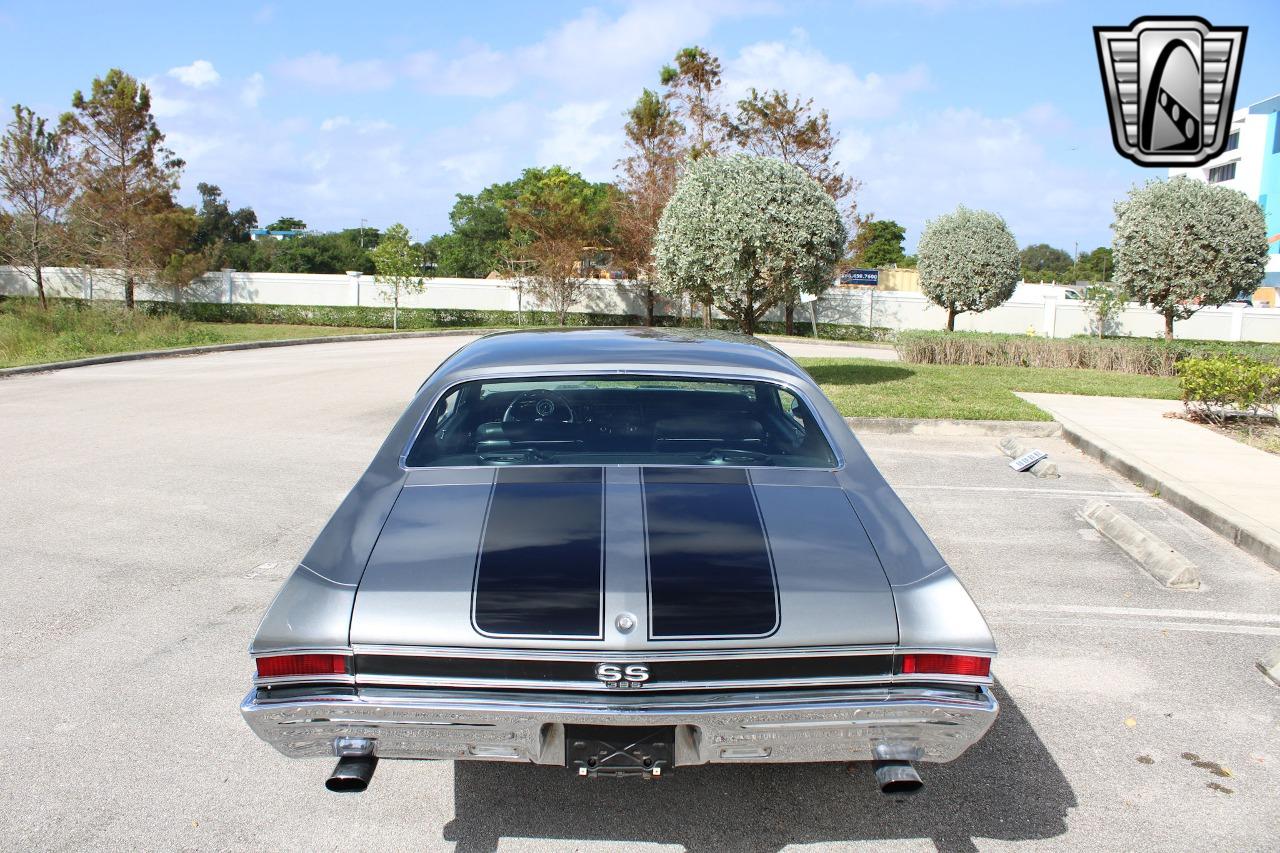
(1050, 317)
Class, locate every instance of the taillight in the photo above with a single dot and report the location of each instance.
(280, 665)
(945, 665)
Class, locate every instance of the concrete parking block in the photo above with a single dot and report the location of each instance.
(1150, 552)
(1269, 664)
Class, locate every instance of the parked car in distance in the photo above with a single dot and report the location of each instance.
(622, 552)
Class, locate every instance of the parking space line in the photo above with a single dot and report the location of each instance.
(1222, 615)
(1069, 493)
(1112, 624)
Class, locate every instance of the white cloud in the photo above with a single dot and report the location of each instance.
(253, 90)
(477, 72)
(197, 75)
(329, 71)
(801, 69)
(917, 169)
(334, 123)
(265, 15)
(574, 140)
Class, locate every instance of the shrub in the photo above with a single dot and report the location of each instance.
(378, 317)
(1126, 355)
(1214, 388)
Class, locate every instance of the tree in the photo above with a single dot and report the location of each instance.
(648, 179)
(36, 185)
(1181, 245)
(1096, 265)
(126, 178)
(218, 225)
(747, 233)
(480, 230)
(1105, 303)
(1042, 261)
(557, 219)
(286, 223)
(968, 262)
(878, 244)
(398, 266)
(693, 88)
(776, 125)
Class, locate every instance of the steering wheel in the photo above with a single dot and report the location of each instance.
(539, 406)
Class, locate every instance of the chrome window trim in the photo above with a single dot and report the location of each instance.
(781, 382)
(596, 655)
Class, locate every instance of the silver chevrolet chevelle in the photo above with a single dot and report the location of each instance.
(622, 551)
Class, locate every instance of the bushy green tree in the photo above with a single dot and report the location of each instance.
(1098, 265)
(968, 262)
(1042, 262)
(556, 221)
(878, 244)
(398, 266)
(1182, 244)
(747, 233)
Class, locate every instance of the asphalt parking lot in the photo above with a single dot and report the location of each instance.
(149, 511)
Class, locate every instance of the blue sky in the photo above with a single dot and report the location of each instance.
(338, 112)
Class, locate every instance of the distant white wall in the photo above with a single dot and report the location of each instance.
(895, 310)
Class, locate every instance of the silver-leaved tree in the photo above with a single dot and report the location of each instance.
(1182, 245)
(746, 234)
(968, 262)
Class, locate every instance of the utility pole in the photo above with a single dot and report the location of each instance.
(1075, 264)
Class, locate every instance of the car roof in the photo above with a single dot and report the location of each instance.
(620, 348)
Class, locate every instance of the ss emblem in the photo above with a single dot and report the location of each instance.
(617, 675)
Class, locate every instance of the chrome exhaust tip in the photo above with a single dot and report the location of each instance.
(897, 777)
(352, 774)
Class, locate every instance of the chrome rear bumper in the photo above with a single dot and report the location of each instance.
(907, 723)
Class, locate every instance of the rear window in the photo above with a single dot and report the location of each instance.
(628, 420)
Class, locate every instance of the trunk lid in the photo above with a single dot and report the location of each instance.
(551, 557)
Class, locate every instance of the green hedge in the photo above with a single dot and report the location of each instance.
(1153, 356)
(379, 317)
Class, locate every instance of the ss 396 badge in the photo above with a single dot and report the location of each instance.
(1171, 87)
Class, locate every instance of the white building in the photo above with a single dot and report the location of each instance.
(1251, 164)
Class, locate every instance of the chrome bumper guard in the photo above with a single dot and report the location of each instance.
(900, 723)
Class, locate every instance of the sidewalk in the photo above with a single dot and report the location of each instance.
(1229, 487)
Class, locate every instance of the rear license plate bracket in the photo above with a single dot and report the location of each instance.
(645, 751)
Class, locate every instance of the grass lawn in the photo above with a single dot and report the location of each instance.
(865, 388)
(31, 336)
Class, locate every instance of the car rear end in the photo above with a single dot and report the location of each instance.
(622, 596)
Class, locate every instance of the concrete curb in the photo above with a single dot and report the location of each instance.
(1241, 530)
(112, 358)
(1269, 665)
(1151, 552)
(928, 426)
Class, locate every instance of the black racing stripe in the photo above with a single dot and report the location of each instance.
(539, 570)
(710, 571)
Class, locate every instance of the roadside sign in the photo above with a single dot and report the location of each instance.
(806, 298)
(865, 278)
